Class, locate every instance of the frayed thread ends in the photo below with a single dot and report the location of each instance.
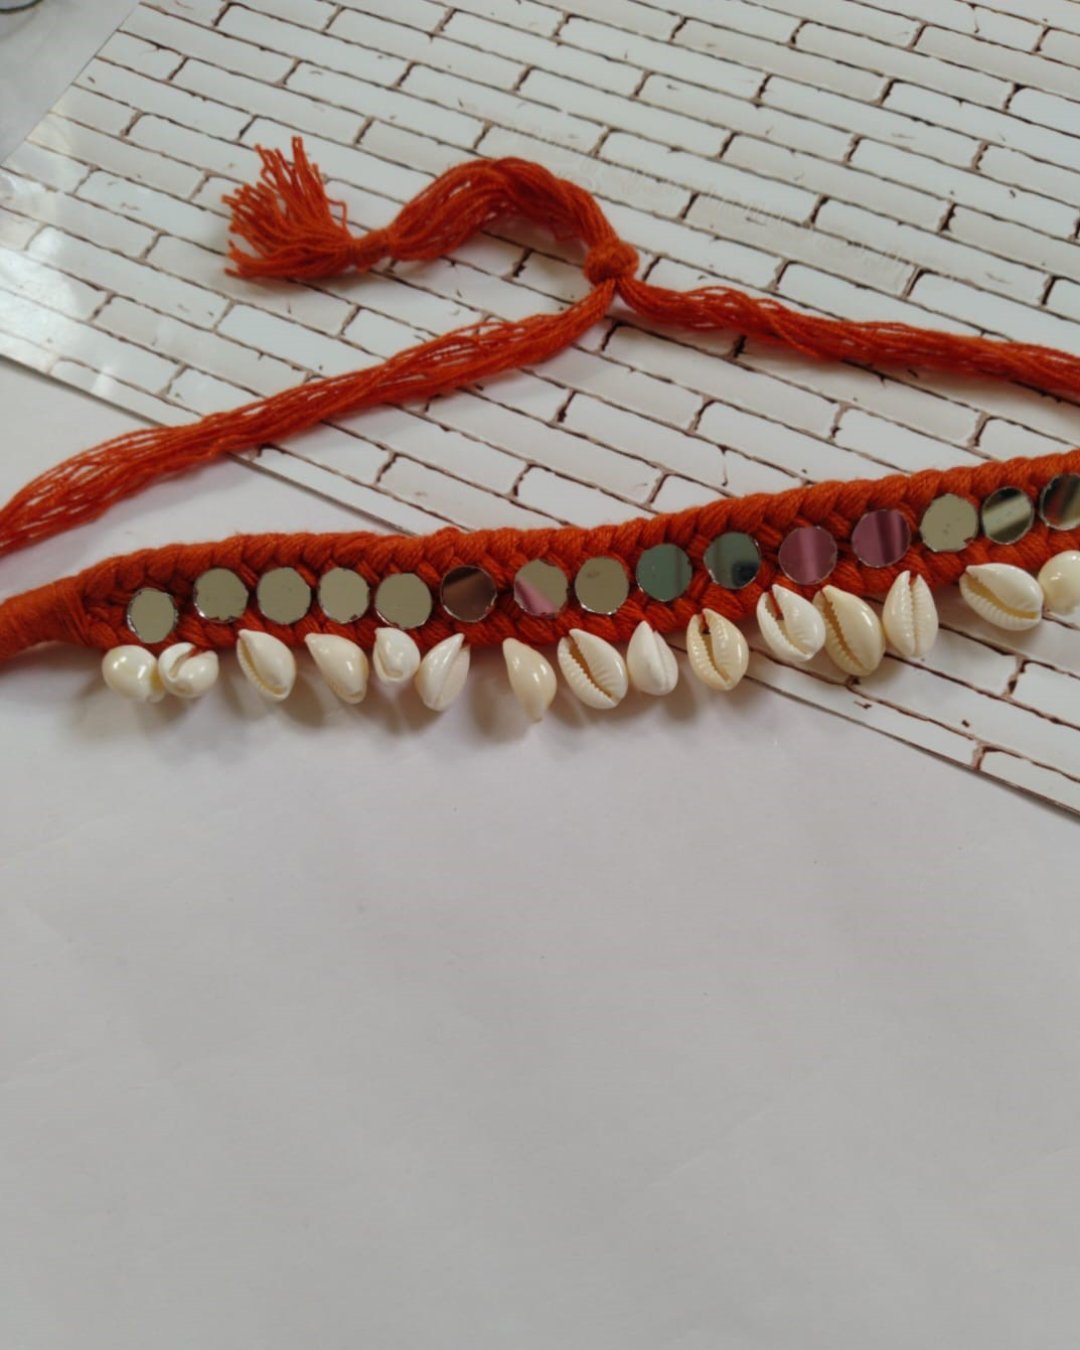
(292, 227)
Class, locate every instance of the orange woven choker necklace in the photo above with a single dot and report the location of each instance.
(804, 562)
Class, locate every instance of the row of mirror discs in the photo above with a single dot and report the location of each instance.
(402, 600)
(601, 585)
(664, 572)
(950, 522)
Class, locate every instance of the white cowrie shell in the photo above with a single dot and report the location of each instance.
(717, 650)
(531, 677)
(396, 657)
(910, 617)
(593, 669)
(650, 662)
(854, 637)
(133, 672)
(442, 673)
(267, 663)
(1003, 595)
(186, 671)
(341, 663)
(797, 632)
(1059, 579)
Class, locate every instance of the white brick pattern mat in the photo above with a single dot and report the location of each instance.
(909, 159)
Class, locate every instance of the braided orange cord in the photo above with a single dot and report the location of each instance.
(294, 230)
(90, 608)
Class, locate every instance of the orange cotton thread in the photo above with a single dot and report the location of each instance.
(293, 229)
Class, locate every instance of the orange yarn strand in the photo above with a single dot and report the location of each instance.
(1043, 368)
(291, 228)
(84, 487)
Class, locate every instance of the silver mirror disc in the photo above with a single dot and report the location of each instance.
(540, 588)
(601, 585)
(220, 595)
(467, 594)
(664, 572)
(403, 600)
(807, 555)
(1059, 503)
(151, 615)
(949, 524)
(343, 595)
(881, 538)
(733, 560)
(283, 595)
(1007, 515)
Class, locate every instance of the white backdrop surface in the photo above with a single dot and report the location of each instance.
(717, 1025)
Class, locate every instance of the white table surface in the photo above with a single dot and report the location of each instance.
(716, 1024)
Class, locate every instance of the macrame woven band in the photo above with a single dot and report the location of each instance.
(292, 229)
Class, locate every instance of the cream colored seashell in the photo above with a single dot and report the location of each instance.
(531, 676)
(133, 672)
(792, 628)
(186, 671)
(1059, 579)
(717, 650)
(910, 617)
(1006, 596)
(267, 663)
(650, 662)
(593, 669)
(854, 637)
(442, 673)
(342, 664)
(395, 657)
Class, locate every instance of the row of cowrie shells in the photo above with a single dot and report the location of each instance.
(186, 672)
(793, 628)
(270, 666)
